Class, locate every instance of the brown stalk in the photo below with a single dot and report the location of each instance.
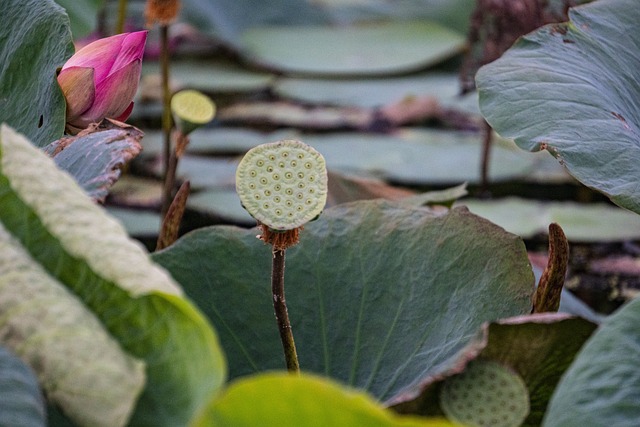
(547, 296)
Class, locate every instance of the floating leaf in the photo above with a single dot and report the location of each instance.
(225, 203)
(136, 191)
(603, 384)
(221, 203)
(283, 400)
(218, 140)
(34, 40)
(67, 237)
(21, 403)
(375, 92)
(210, 76)
(380, 295)
(409, 156)
(593, 222)
(372, 49)
(413, 156)
(572, 89)
(138, 223)
(292, 115)
(227, 19)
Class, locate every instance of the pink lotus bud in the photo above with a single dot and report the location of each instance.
(101, 79)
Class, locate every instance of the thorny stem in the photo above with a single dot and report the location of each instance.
(166, 119)
(282, 315)
(122, 15)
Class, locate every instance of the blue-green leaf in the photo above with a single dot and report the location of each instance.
(602, 386)
(21, 403)
(574, 90)
(34, 41)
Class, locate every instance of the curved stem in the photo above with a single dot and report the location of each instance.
(282, 315)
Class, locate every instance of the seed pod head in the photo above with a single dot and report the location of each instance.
(191, 109)
(485, 394)
(282, 184)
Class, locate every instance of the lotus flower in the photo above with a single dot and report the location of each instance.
(101, 79)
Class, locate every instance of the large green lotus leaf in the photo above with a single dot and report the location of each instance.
(94, 160)
(138, 223)
(136, 191)
(376, 92)
(225, 203)
(409, 156)
(218, 140)
(414, 156)
(602, 386)
(81, 367)
(283, 400)
(227, 19)
(34, 40)
(212, 76)
(372, 49)
(21, 403)
(380, 294)
(573, 90)
(594, 222)
(451, 13)
(83, 15)
(71, 240)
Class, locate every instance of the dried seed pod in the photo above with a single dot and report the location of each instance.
(485, 394)
(282, 184)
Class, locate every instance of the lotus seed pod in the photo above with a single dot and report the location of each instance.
(191, 109)
(282, 184)
(486, 394)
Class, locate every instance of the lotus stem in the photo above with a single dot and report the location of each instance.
(282, 315)
(486, 158)
(167, 122)
(122, 15)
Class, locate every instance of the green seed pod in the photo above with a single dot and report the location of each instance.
(486, 394)
(191, 109)
(282, 184)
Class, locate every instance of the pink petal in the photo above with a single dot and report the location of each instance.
(132, 49)
(78, 89)
(124, 116)
(99, 55)
(114, 94)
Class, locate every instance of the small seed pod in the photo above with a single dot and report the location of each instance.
(283, 184)
(191, 109)
(485, 394)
